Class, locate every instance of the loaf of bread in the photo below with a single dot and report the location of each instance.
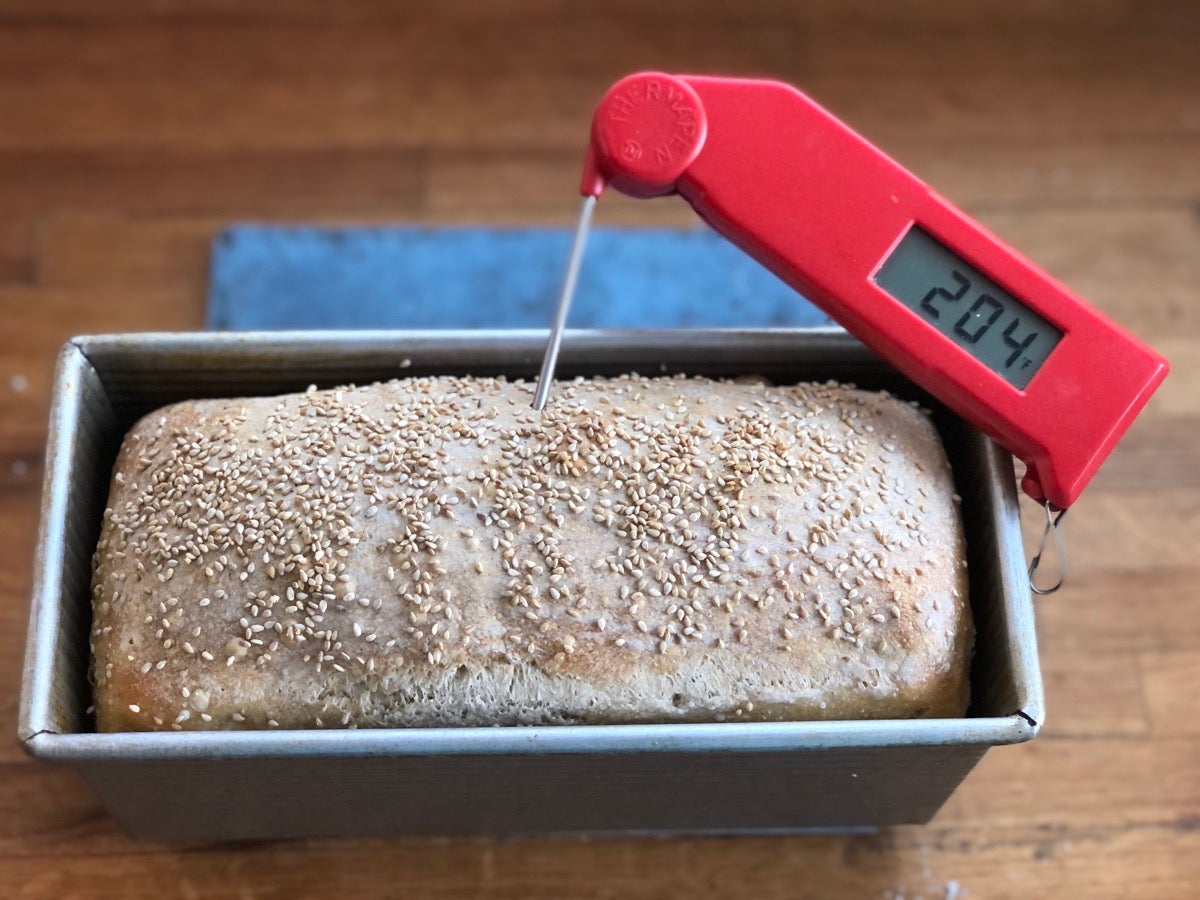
(431, 552)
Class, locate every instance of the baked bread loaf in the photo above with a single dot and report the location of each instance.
(431, 552)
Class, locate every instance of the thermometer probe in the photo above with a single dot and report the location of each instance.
(929, 289)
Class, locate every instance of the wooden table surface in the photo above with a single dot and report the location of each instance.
(131, 130)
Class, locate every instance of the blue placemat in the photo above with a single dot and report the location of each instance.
(273, 277)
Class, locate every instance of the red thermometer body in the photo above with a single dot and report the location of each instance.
(926, 287)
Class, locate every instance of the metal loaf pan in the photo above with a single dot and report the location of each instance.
(730, 777)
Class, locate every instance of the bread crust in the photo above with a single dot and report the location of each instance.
(430, 552)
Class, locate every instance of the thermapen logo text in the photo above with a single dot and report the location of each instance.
(671, 120)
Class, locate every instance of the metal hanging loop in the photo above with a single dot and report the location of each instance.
(1060, 552)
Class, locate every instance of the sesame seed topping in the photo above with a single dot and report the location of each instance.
(310, 526)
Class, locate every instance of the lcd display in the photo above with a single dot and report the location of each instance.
(968, 307)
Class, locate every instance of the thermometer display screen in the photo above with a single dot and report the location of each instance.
(968, 307)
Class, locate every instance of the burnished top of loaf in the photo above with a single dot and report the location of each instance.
(433, 551)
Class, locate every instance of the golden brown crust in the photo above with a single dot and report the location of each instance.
(432, 552)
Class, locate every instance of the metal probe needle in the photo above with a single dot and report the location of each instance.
(550, 357)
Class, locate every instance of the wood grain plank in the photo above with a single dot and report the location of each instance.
(1102, 13)
(1157, 454)
(1103, 612)
(1171, 682)
(216, 85)
(582, 40)
(1179, 394)
(1093, 696)
(1004, 865)
(242, 183)
(46, 317)
(20, 500)
(100, 255)
(25, 377)
(1070, 170)
(1056, 782)
(16, 250)
(36, 187)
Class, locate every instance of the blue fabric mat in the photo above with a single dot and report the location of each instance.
(269, 277)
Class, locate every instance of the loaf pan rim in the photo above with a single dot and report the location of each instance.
(47, 743)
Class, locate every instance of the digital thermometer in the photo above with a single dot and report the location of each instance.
(925, 286)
